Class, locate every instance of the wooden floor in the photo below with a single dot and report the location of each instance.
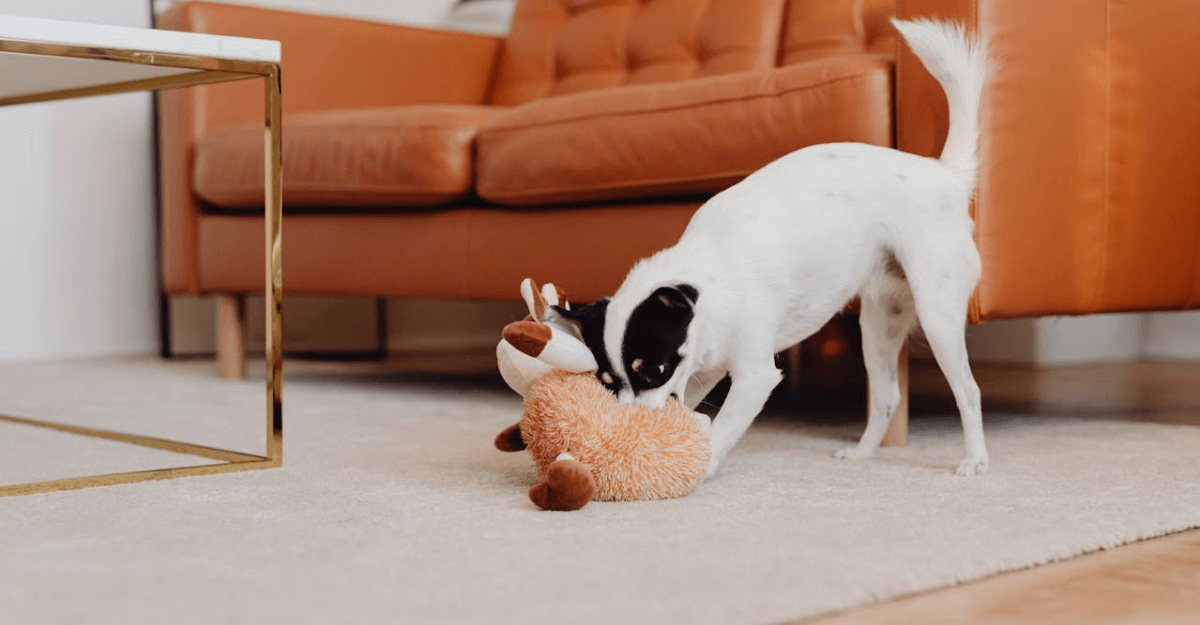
(1148, 583)
(1153, 582)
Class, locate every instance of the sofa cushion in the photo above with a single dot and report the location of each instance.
(684, 138)
(410, 156)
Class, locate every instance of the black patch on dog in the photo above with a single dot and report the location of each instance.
(589, 320)
(656, 330)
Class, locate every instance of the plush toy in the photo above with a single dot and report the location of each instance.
(586, 444)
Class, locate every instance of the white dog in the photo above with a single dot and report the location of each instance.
(770, 260)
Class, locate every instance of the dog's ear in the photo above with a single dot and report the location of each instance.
(676, 298)
(584, 320)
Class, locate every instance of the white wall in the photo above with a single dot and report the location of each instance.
(415, 12)
(77, 223)
(1173, 335)
(1054, 341)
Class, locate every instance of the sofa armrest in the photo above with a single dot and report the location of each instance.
(328, 63)
(1090, 142)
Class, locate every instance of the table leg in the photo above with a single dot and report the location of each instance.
(274, 283)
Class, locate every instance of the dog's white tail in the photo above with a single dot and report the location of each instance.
(959, 63)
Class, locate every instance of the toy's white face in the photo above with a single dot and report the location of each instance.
(518, 369)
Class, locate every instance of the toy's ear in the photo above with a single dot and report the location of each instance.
(534, 299)
(550, 293)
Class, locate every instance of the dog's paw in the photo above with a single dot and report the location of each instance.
(853, 453)
(713, 462)
(972, 466)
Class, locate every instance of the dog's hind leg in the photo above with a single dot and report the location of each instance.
(886, 317)
(941, 289)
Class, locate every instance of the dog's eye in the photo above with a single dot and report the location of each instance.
(648, 372)
(651, 370)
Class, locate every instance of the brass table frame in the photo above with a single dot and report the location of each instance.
(211, 70)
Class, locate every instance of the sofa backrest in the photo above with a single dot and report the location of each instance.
(815, 29)
(557, 47)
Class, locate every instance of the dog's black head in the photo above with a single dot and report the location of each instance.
(649, 340)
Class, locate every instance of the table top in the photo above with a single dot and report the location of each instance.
(40, 56)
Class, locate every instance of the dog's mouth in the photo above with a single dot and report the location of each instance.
(647, 400)
(654, 399)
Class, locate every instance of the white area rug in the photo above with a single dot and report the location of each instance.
(393, 507)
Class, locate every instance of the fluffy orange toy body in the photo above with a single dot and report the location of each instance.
(634, 453)
(585, 443)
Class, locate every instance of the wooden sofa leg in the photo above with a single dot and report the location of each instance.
(791, 370)
(897, 434)
(231, 332)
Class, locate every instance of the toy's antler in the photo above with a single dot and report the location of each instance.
(552, 345)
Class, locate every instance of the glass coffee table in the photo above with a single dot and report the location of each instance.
(42, 60)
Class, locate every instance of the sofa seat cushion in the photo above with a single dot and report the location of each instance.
(683, 138)
(411, 156)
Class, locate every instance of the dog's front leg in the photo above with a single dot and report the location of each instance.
(748, 393)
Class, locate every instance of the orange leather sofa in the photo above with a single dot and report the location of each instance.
(438, 164)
